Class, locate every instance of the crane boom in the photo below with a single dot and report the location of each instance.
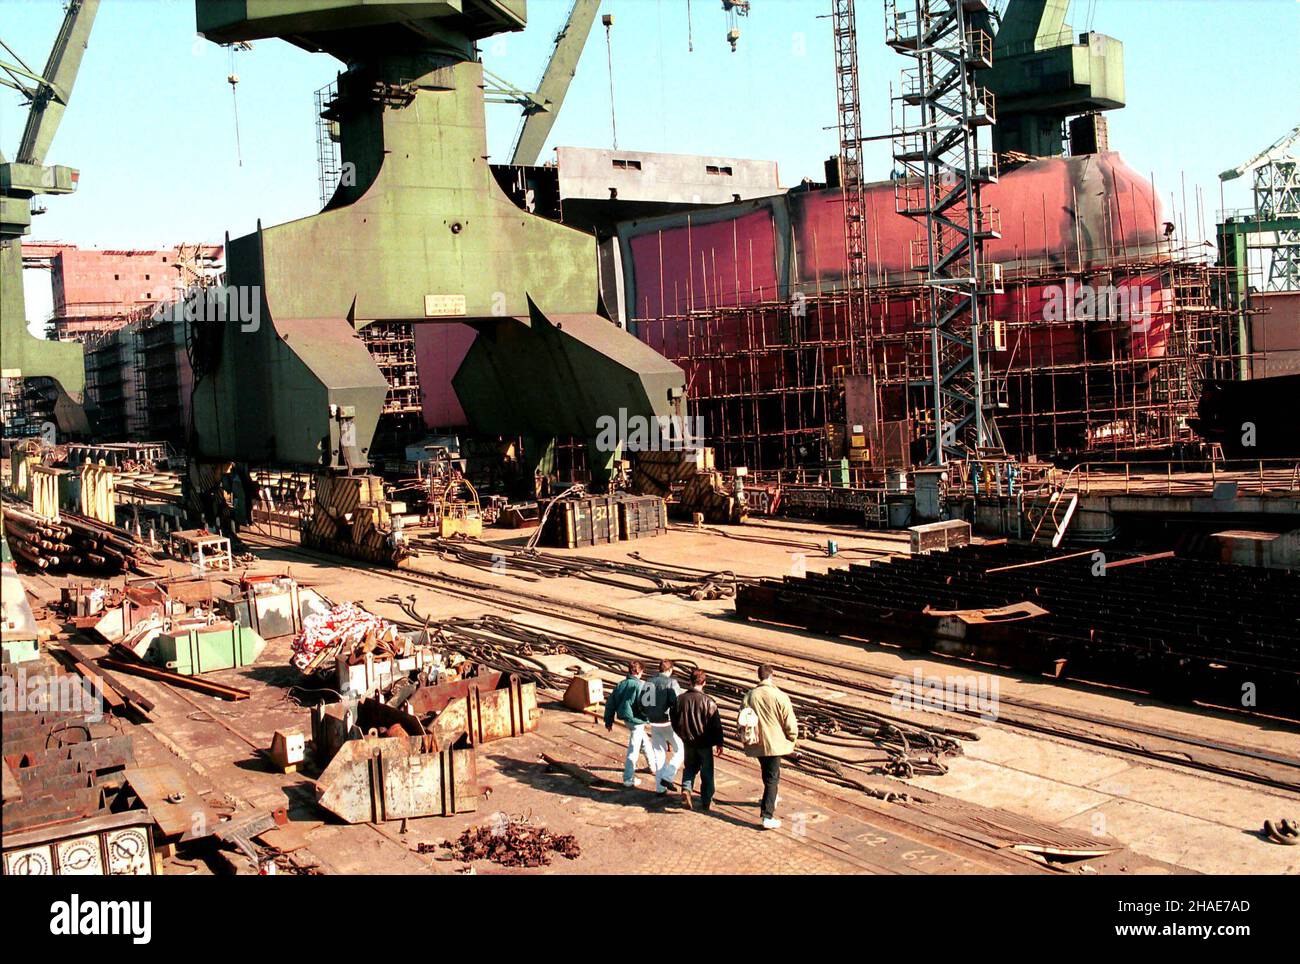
(1274, 151)
(23, 179)
(563, 64)
(51, 97)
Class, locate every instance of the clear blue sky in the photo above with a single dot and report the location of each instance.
(151, 124)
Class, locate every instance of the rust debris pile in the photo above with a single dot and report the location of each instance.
(513, 842)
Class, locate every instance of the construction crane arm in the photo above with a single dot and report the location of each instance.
(50, 98)
(17, 73)
(539, 120)
(1274, 151)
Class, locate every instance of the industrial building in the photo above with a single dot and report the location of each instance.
(319, 533)
(97, 291)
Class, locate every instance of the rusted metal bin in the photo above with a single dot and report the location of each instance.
(376, 778)
(939, 536)
(496, 706)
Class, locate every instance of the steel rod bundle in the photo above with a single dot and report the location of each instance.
(1181, 628)
(71, 542)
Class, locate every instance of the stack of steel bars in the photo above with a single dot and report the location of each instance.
(73, 542)
(1183, 629)
(38, 542)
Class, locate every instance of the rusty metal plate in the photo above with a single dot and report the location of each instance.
(172, 802)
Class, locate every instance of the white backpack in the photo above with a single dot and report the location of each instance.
(747, 726)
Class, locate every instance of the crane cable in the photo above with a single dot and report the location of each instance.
(609, 60)
(233, 79)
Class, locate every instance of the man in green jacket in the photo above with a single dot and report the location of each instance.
(624, 703)
(776, 733)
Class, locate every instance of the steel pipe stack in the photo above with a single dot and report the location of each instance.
(73, 542)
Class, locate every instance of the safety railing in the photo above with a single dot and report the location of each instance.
(1260, 476)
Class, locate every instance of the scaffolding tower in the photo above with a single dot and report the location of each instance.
(937, 117)
(849, 118)
(329, 167)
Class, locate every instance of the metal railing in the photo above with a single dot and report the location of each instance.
(1262, 476)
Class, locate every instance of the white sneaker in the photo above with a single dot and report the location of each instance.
(772, 823)
(634, 782)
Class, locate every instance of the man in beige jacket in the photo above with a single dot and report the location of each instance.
(776, 734)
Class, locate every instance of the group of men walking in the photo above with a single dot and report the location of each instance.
(673, 728)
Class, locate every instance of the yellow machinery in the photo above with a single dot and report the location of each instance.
(458, 515)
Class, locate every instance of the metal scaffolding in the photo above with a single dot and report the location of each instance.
(392, 345)
(768, 382)
(849, 117)
(937, 117)
(329, 168)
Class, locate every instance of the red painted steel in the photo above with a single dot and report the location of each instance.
(708, 263)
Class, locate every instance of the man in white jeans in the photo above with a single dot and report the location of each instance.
(625, 704)
(658, 696)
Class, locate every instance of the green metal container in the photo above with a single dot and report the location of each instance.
(205, 649)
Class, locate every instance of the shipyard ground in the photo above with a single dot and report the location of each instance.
(1161, 789)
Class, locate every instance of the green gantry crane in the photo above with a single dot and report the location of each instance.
(22, 179)
(417, 231)
(1043, 74)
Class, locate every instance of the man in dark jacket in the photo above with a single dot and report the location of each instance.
(696, 720)
(625, 704)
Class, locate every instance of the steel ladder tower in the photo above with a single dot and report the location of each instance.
(937, 116)
(849, 123)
